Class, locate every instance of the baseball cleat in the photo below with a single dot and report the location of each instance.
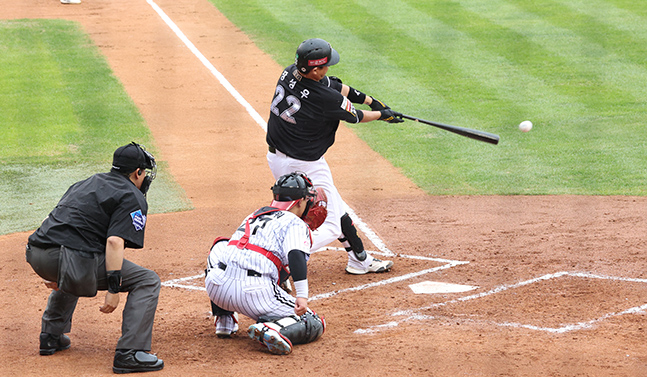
(134, 361)
(272, 339)
(376, 266)
(226, 325)
(49, 343)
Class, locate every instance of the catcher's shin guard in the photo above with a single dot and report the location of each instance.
(306, 329)
(350, 239)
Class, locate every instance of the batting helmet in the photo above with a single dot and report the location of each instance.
(315, 52)
(290, 188)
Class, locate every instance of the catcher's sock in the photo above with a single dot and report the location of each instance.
(226, 325)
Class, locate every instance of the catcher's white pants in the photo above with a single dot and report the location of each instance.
(319, 173)
(254, 296)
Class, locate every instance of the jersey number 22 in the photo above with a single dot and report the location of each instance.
(293, 105)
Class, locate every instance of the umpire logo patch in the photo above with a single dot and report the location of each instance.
(139, 219)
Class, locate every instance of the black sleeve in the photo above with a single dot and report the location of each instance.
(128, 221)
(332, 82)
(298, 265)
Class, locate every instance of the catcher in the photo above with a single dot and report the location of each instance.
(244, 273)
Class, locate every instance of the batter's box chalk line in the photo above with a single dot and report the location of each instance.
(191, 282)
(414, 315)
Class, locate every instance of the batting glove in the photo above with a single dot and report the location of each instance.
(391, 116)
(378, 105)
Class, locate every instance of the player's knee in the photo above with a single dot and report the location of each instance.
(152, 280)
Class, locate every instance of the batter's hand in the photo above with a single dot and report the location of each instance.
(111, 303)
(378, 105)
(391, 116)
(301, 306)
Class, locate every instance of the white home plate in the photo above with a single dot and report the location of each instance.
(437, 287)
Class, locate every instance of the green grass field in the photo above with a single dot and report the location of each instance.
(63, 114)
(577, 69)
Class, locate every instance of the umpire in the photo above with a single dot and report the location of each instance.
(79, 249)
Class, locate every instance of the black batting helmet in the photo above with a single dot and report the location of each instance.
(315, 52)
(290, 188)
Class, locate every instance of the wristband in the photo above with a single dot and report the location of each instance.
(355, 96)
(114, 281)
(301, 286)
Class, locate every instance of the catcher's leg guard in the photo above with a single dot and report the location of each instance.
(306, 329)
(350, 239)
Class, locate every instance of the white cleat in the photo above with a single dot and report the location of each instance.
(376, 266)
(70, 1)
(272, 339)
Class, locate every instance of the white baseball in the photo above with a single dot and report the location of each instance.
(525, 126)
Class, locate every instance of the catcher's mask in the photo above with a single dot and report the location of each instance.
(131, 157)
(290, 188)
(315, 52)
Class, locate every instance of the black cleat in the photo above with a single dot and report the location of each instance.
(131, 361)
(50, 343)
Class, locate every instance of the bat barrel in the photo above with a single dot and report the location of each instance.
(467, 132)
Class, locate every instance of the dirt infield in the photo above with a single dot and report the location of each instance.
(561, 281)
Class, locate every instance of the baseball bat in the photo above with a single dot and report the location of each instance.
(467, 132)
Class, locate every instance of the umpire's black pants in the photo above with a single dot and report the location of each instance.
(142, 285)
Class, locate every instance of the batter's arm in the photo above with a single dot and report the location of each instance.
(386, 115)
(355, 96)
(358, 97)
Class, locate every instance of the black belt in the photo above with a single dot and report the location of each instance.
(223, 267)
(271, 149)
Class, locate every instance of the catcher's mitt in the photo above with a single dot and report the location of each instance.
(318, 212)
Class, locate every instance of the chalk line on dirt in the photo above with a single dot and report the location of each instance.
(414, 314)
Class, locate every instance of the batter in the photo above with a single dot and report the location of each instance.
(305, 113)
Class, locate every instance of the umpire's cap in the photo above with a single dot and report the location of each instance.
(131, 157)
(315, 52)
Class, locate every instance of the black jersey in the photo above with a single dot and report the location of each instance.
(305, 115)
(104, 205)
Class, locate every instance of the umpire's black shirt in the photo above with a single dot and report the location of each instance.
(104, 205)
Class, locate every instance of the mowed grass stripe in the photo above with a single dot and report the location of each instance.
(583, 66)
(576, 70)
(628, 17)
(64, 113)
(23, 95)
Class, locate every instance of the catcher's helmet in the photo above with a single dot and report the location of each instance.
(315, 52)
(290, 188)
